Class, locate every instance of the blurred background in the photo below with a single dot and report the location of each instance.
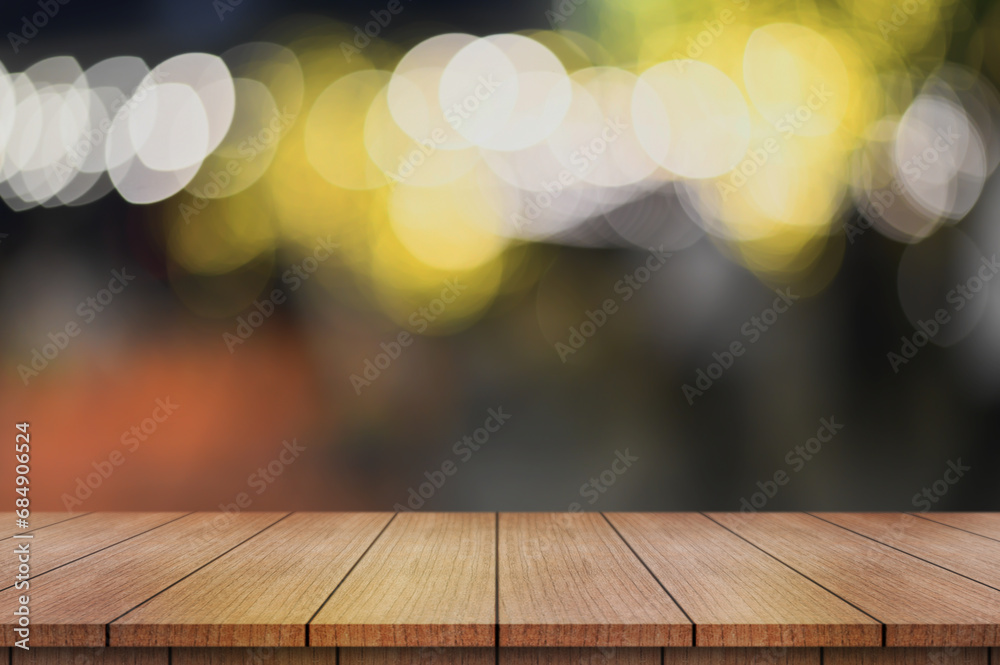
(621, 254)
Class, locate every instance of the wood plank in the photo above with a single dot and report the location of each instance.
(742, 656)
(36, 521)
(984, 524)
(959, 551)
(921, 604)
(567, 579)
(90, 656)
(737, 595)
(71, 606)
(429, 580)
(417, 656)
(70, 540)
(252, 656)
(260, 594)
(906, 656)
(579, 656)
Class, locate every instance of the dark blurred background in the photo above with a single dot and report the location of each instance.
(613, 428)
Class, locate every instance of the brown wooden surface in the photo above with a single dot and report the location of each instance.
(417, 656)
(36, 521)
(920, 603)
(906, 656)
(252, 656)
(567, 579)
(984, 524)
(741, 656)
(71, 605)
(88, 656)
(578, 656)
(502, 656)
(959, 551)
(296, 565)
(74, 539)
(429, 580)
(736, 594)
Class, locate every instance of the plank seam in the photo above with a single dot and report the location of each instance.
(346, 575)
(952, 526)
(694, 626)
(48, 525)
(124, 540)
(790, 567)
(210, 561)
(919, 558)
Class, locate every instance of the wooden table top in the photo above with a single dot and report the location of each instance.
(508, 579)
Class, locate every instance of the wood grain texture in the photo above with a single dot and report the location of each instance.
(35, 521)
(74, 539)
(252, 656)
(429, 580)
(579, 656)
(89, 656)
(964, 553)
(921, 604)
(737, 595)
(984, 524)
(417, 656)
(906, 656)
(70, 606)
(262, 593)
(567, 579)
(741, 656)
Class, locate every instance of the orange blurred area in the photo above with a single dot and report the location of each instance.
(97, 444)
